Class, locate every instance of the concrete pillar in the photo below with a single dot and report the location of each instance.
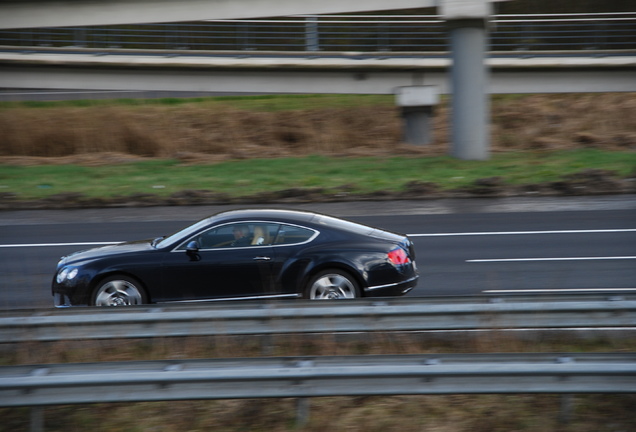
(470, 103)
(417, 104)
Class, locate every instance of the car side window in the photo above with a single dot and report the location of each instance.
(216, 237)
(236, 235)
(289, 234)
(263, 234)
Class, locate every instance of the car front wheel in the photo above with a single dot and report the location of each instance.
(119, 291)
(332, 285)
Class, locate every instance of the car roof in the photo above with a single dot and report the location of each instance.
(311, 219)
(266, 214)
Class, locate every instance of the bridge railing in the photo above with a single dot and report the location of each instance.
(360, 33)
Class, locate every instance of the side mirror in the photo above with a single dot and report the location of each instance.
(192, 250)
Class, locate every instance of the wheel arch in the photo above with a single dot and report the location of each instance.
(335, 265)
(98, 279)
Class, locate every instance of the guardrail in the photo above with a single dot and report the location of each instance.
(57, 384)
(304, 377)
(290, 317)
(366, 33)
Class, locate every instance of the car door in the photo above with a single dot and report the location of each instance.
(223, 266)
(288, 264)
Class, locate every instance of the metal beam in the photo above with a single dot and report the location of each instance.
(390, 315)
(45, 13)
(303, 75)
(226, 80)
(57, 384)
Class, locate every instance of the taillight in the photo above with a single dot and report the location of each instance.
(398, 256)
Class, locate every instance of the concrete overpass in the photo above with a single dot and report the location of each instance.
(340, 73)
(58, 13)
(466, 20)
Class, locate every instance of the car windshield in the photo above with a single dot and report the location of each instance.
(186, 232)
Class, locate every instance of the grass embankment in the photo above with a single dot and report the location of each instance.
(252, 177)
(244, 146)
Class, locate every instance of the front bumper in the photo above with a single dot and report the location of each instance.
(67, 294)
(61, 301)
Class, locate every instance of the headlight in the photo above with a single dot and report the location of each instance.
(72, 273)
(62, 275)
(67, 273)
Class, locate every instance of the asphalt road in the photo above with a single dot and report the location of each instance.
(464, 247)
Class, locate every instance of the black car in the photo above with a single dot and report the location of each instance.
(242, 254)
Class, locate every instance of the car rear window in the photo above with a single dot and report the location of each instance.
(289, 234)
(344, 225)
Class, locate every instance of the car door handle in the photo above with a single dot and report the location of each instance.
(262, 258)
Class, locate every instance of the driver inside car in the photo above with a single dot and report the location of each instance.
(241, 236)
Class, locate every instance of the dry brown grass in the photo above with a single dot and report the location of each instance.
(213, 132)
(540, 122)
(377, 343)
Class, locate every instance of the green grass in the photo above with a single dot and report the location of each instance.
(268, 103)
(249, 177)
(273, 102)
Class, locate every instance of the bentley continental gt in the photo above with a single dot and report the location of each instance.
(239, 255)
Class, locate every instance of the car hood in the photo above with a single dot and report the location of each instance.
(106, 251)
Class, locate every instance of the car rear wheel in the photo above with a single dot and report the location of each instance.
(332, 285)
(119, 291)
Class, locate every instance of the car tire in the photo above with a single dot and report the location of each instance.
(119, 290)
(332, 284)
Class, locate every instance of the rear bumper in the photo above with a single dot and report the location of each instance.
(394, 289)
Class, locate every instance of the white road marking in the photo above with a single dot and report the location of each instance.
(57, 244)
(523, 232)
(550, 259)
(559, 290)
(623, 230)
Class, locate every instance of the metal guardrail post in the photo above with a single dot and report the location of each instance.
(383, 38)
(79, 36)
(312, 37)
(303, 407)
(244, 37)
(37, 419)
(565, 413)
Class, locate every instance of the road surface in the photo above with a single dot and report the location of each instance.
(463, 246)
